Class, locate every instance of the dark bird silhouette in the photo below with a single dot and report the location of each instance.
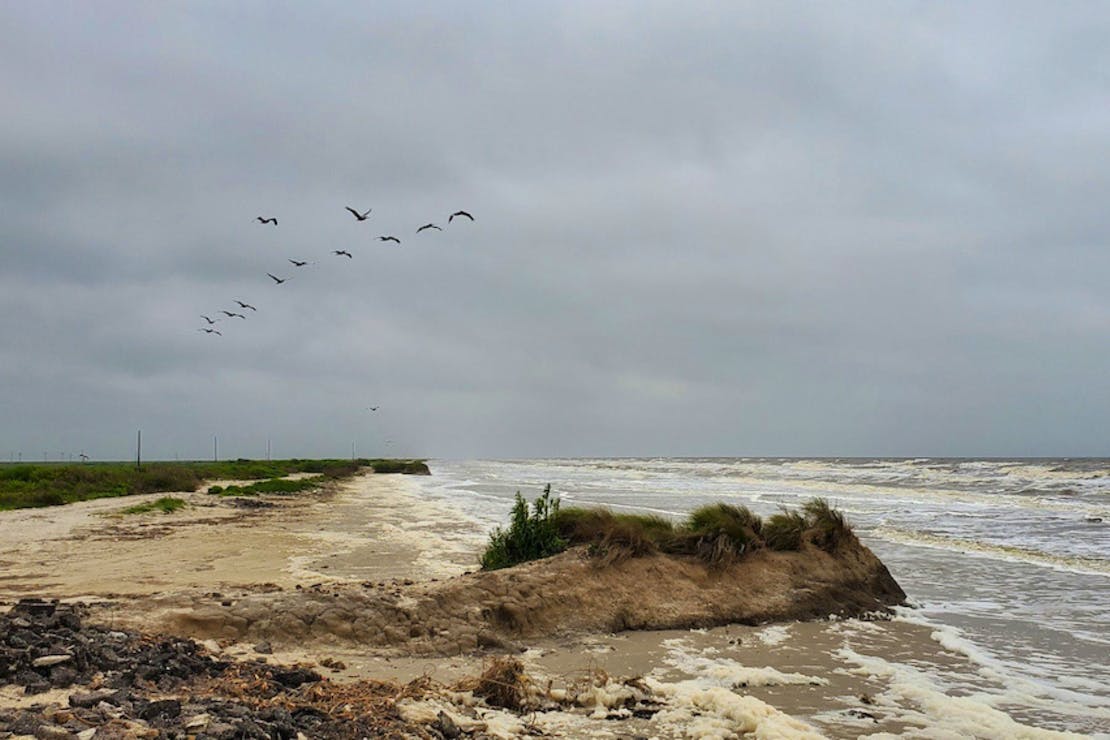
(374, 408)
(299, 264)
(267, 220)
(276, 279)
(389, 239)
(82, 455)
(342, 252)
(245, 305)
(230, 314)
(459, 213)
(211, 331)
(428, 226)
(210, 321)
(359, 216)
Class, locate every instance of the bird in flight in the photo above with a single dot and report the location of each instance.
(428, 226)
(83, 456)
(245, 305)
(230, 314)
(297, 263)
(276, 279)
(211, 331)
(210, 321)
(374, 408)
(389, 239)
(359, 216)
(342, 252)
(267, 220)
(459, 213)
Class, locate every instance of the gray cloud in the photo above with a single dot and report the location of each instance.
(717, 229)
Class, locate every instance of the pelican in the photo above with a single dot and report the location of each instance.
(359, 216)
(210, 321)
(459, 213)
(267, 220)
(389, 239)
(428, 226)
(374, 408)
(211, 331)
(245, 305)
(342, 252)
(297, 263)
(276, 279)
(231, 314)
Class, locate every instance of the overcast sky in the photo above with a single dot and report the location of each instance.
(701, 228)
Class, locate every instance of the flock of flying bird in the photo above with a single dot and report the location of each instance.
(272, 221)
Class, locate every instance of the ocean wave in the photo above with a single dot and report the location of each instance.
(1073, 564)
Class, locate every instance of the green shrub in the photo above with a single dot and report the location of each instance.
(529, 536)
(783, 531)
(215, 490)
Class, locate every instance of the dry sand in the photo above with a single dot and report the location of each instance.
(376, 531)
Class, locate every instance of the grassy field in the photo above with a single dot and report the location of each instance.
(28, 485)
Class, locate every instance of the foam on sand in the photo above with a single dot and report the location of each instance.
(919, 701)
(728, 673)
(716, 712)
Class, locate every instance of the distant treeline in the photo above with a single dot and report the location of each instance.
(26, 485)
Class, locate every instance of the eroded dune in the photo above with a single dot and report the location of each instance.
(565, 594)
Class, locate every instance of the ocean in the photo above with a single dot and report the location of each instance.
(1006, 562)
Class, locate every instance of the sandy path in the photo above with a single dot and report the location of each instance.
(364, 528)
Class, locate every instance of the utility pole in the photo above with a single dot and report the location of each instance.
(139, 451)
(215, 448)
(267, 449)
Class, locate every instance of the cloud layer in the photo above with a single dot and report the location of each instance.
(727, 229)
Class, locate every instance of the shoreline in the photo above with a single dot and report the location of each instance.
(135, 571)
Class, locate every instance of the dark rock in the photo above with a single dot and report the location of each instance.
(294, 677)
(263, 647)
(35, 608)
(62, 676)
(162, 709)
(446, 726)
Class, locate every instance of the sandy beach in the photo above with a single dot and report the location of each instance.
(153, 572)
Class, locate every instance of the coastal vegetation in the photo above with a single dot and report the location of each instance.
(717, 533)
(166, 505)
(53, 484)
(272, 485)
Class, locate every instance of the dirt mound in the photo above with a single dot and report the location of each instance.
(565, 594)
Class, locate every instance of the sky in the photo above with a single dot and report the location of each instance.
(733, 229)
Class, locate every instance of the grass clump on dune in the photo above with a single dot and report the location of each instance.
(166, 505)
(784, 531)
(717, 533)
(826, 525)
(614, 536)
